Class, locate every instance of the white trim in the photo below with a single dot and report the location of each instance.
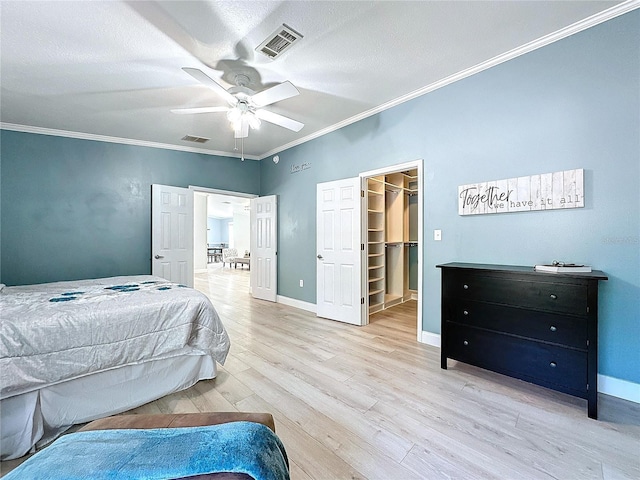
(418, 165)
(200, 270)
(392, 168)
(577, 27)
(429, 338)
(216, 191)
(124, 141)
(608, 14)
(292, 302)
(619, 388)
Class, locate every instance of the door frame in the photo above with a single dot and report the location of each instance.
(414, 164)
(229, 193)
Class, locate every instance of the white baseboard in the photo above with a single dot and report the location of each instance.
(429, 338)
(200, 270)
(619, 388)
(292, 302)
(607, 385)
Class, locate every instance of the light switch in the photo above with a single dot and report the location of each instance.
(301, 283)
(437, 235)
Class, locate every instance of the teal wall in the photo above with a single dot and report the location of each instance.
(572, 104)
(81, 209)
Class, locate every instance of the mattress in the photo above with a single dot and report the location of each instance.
(71, 352)
(55, 332)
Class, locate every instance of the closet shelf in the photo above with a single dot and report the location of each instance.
(391, 219)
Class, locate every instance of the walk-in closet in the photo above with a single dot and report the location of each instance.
(392, 239)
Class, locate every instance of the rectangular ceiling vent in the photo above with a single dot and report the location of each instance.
(192, 138)
(279, 41)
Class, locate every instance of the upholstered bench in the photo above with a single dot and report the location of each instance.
(174, 420)
(197, 446)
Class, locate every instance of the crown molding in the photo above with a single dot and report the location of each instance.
(608, 14)
(577, 27)
(124, 141)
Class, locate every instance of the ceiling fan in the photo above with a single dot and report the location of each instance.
(245, 105)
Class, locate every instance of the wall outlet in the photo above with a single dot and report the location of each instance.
(301, 283)
(437, 235)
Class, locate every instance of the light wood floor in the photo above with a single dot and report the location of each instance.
(371, 402)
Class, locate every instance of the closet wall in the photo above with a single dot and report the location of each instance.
(392, 239)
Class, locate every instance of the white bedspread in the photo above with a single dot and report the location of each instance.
(50, 333)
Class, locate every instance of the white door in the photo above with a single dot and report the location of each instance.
(338, 251)
(172, 233)
(264, 247)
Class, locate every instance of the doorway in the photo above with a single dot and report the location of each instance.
(221, 221)
(392, 240)
(368, 251)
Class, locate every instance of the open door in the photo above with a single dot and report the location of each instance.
(339, 288)
(172, 233)
(264, 248)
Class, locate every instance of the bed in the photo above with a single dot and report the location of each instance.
(71, 352)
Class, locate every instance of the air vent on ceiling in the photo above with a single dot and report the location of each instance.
(279, 41)
(192, 138)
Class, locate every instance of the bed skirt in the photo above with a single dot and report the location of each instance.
(38, 417)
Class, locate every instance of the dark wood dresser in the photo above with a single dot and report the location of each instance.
(535, 326)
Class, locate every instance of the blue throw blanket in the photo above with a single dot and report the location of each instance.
(163, 453)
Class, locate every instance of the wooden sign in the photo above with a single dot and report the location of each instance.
(547, 191)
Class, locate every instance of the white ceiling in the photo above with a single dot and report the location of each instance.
(113, 68)
(225, 206)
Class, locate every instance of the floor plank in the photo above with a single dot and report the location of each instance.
(371, 402)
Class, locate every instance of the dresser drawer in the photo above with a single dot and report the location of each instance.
(549, 327)
(541, 295)
(525, 359)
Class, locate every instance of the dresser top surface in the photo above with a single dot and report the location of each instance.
(594, 274)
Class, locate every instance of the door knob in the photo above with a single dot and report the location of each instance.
(158, 257)
(319, 257)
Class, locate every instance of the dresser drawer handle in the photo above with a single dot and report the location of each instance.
(553, 364)
(465, 343)
(465, 312)
(553, 296)
(553, 328)
(465, 286)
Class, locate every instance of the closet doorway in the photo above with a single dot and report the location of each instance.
(369, 245)
(392, 221)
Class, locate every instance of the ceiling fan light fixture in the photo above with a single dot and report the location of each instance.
(254, 122)
(234, 115)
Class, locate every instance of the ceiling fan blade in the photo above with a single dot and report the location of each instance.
(243, 131)
(211, 83)
(275, 94)
(280, 120)
(200, 110)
